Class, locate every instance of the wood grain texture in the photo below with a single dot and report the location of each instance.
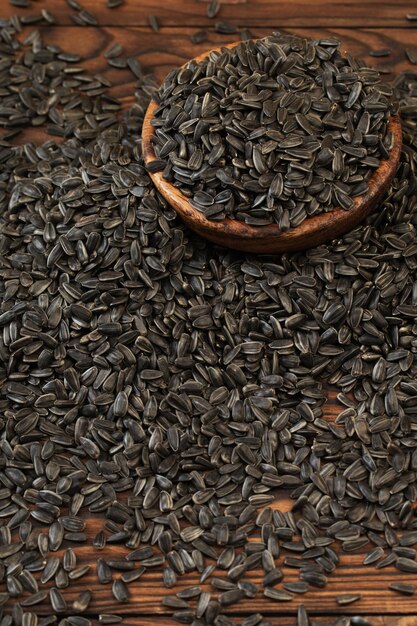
(273, 13)
(176, 48)
(147, 592)
(284, 620)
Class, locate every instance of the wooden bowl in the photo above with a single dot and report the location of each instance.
(312, 232)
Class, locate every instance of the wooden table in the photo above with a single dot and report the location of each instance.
(362, 25)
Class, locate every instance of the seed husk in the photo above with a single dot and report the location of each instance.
(58, 602)
(348, 598)
(35, 598)
(380, 52)
(213, 8)
(406, 565)
(153, 23)
(199, 36)
(403, 588)
(81, 603)
(411, 56)
(277, 595)
(302, 616)
(120, 591)
(296, 587)
(225, 28)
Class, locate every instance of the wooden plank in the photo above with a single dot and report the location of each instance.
(177, 48)
(146, 593)
(273, 13)
(285, 620)
(282, 620)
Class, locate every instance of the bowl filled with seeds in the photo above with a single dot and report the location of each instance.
(273, 145)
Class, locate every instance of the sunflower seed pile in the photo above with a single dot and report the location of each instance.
(272, 131)
(168, 387)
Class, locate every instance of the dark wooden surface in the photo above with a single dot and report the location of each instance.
(282, 620)
(271, 13)
(362, 25)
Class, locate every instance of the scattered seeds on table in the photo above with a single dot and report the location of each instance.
(170, 386)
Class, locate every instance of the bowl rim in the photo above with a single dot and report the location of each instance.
(336, 221)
